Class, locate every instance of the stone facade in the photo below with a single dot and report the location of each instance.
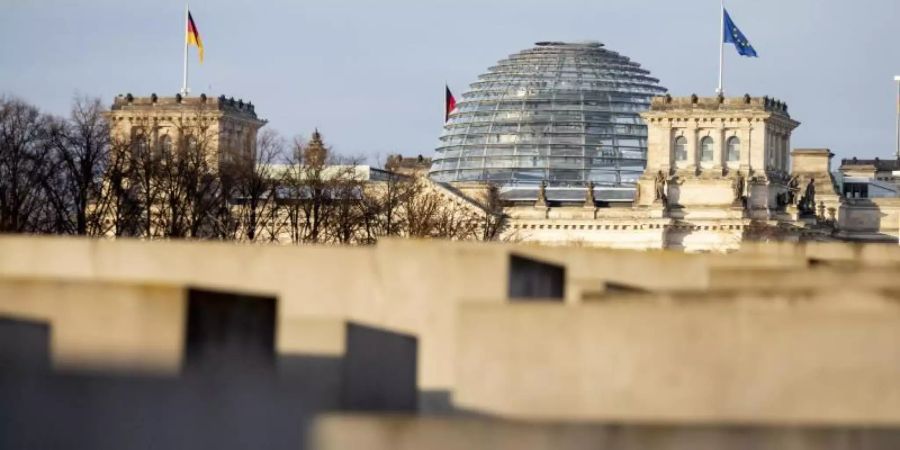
(870, 178)
(812, 167)
(718, 173)
(715, 154)
(226, 128)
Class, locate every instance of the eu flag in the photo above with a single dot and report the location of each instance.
(733, 35)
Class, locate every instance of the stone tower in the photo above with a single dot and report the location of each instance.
(227, 128)
(717, 157)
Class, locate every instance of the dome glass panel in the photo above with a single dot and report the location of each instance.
(561, 113)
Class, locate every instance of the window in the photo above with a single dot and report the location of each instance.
(706, 149)
(165, 144)
(681, 149)
(856, 190)
(190, 143)
(771, 150)
(139, 142)
(734, 149)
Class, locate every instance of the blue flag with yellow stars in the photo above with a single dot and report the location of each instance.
(733, 35)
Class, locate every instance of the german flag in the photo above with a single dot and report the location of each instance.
(449, 104)
(193, 36)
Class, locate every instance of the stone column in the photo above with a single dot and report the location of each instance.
(776, 151)
(692, 135)
(667, 143)
(154, 134)
(786, 153)
(656, 145)
(720, 157)
(745, 134)
(758, 147)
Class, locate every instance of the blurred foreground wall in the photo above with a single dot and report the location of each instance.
(132, 344)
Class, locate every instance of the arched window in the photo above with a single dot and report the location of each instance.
(165, 144)
(785, 153)
(249, 149)
(139, 142)
(706, 149)
(772, 149)
(681, 153)
(734, 149)
(189, 143)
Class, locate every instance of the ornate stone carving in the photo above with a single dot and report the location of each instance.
(793, 192)
(808, 202)
(589, 200)
(542, 196)
(739, 186)
(661, 184)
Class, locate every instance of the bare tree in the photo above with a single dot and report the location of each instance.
(81, 152)
(347, 193)
(190, 185)
(456, 222)
(25, 166)
(293, 192)
(70, 176)
(144, 172)
(169, 183)
(384, 206)
(431, 211)
(250, 188)
(314, 196)
(420, 211)
(313, 184)
(493, 220)
(118, 204)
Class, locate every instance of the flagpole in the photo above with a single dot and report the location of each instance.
(897, 79)
(721, 90)
(184, 86)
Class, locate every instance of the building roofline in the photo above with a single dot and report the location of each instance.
(127, 102)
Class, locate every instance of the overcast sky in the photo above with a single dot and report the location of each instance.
(370, 74)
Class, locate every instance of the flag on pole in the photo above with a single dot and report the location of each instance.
(193, 36)
(733, 35)
(449, 105)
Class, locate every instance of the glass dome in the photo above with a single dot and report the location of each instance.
(562, 113)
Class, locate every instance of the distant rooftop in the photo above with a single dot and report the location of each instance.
(338, 171)
(525, 193)
(879, 164)
(398, 162)
(669, 103)
(221, 103)
(593, 44)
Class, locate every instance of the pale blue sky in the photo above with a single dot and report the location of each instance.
(370, 74)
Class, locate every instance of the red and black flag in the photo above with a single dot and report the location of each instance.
(450, 104)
